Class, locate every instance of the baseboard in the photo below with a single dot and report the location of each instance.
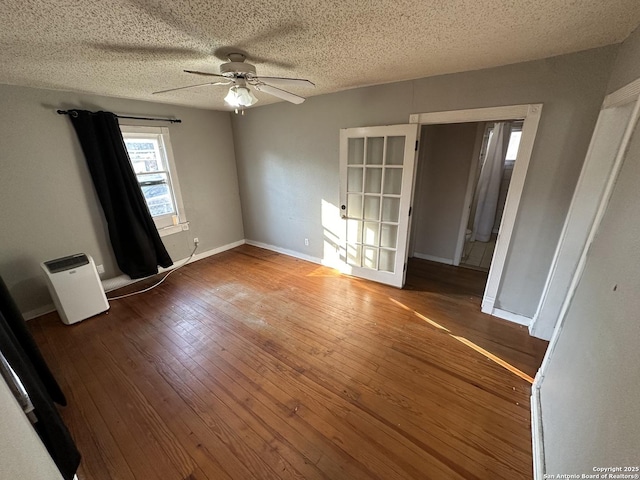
(37, 312)
(424, 256)
(534, 330)
(124, 280)
(536, 433)
(285, 251)
(512, 317)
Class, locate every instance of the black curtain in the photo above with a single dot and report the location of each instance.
(134, 237)
(21, 352)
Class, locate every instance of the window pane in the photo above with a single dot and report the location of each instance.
(375, 147)
(354, 254)
(354, 179)
(354, 231)
(144, 154)
(373, 180)
(371, 233)
(354, 206)
(390, 209)
(393, 180)
(355, 151)
(388, 236)
(370, 259)
(371, 208)
(157, 193)
(395, 150)
(387, 260)
(514, 144)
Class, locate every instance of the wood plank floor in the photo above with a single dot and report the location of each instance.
(251, 364)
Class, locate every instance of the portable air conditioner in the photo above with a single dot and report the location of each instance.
(75, 286)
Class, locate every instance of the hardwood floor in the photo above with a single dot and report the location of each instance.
(251, 364)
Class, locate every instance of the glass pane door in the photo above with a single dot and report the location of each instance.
(377, 170)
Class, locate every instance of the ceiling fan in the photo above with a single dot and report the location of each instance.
(241, 75)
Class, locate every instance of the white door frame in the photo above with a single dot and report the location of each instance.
(582, 212)
(628, 93)
(530, 113)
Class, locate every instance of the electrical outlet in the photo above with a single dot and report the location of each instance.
(306, 242)
(100, 269)
(196, 240)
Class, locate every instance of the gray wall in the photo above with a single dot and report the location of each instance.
(49, 207)
(589, 395)
(288, 163)
(441, 186)
(628, 67)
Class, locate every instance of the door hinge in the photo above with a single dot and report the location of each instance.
(416, 145)
(404, 269)
(410, 210)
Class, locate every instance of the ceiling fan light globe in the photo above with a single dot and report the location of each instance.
(240, 96)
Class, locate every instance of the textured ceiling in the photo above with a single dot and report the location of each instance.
(130, 48)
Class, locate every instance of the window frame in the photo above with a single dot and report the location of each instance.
(169, 223)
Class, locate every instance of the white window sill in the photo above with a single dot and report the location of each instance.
(171, 229)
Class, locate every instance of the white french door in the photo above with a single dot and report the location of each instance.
(376, 182)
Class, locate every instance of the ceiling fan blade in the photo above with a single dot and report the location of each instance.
(287, 82)
(192, 86)
(206, 74)
(276, 92)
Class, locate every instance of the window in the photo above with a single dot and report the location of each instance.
(514, 144)
(152, 160)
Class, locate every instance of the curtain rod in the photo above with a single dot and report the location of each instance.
(170, 120)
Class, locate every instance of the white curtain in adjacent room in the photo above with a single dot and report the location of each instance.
(488, 189)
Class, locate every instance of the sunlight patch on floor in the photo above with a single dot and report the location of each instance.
(468, 343)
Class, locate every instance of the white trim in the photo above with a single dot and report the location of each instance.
(433, 258)
(537, 441)
(597, 167)
(170, 230)
(179, 219)
(489, 114)
(124, 280)
(539, 455)
(626, 94)
(531, 116)
(38, 312)
(285, 251)
(487, 304)
(512, 317)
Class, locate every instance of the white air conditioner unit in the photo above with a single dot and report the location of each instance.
(75, 286)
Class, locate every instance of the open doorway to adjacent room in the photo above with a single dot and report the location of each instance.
(470, 174)
(491, 178)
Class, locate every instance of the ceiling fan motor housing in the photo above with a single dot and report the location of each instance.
(230, 69)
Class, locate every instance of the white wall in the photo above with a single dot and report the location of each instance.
(22, 453)
(287, 155)
(49, 207)
(443, 173)
(589, 393)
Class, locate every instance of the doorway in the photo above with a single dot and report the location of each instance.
(491, 178)
(529, 115)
